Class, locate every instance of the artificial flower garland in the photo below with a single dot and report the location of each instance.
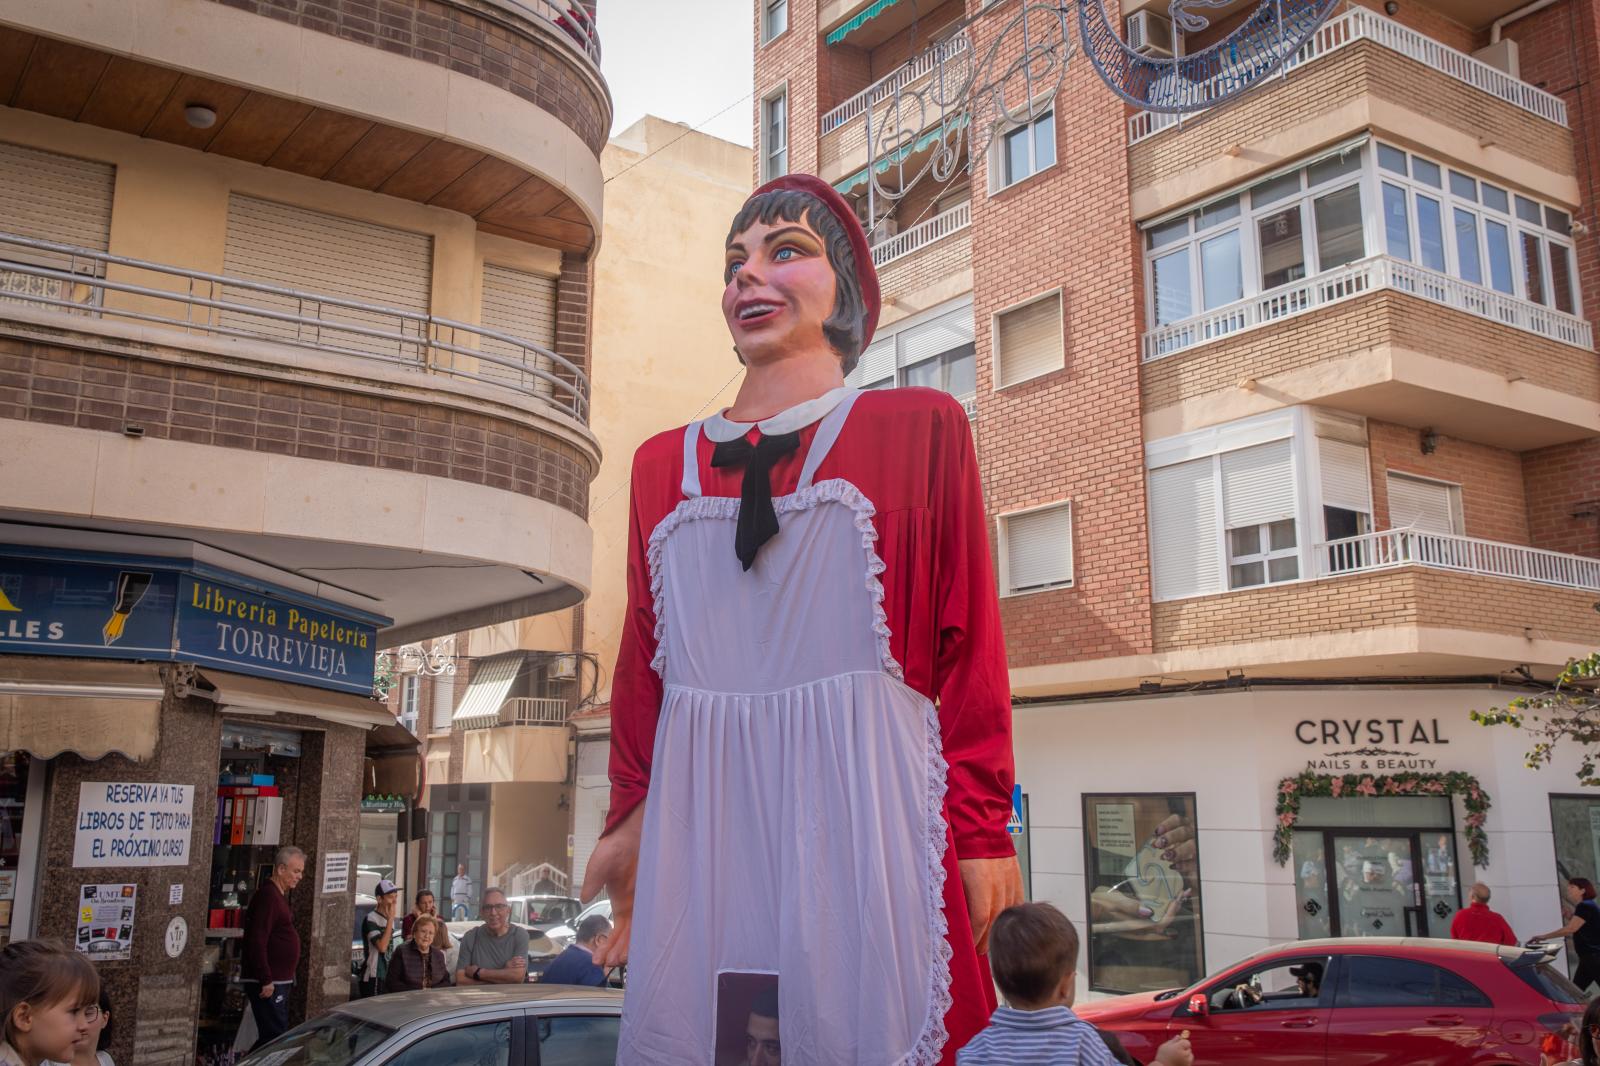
(1455, 783)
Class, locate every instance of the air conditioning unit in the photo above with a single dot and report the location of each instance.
(1150, 34)
(563, 668)
(887, 227)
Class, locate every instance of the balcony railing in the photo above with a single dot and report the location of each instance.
(520, 710)
(572, 21)
(74, 280)
(1410, 547)
(1359, 24)
(1357, 279)
(924, 233)
(901, 76)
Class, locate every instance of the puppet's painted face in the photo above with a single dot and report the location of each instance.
(780, 290)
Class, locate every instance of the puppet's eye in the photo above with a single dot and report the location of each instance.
(785, 254)
(733, 268)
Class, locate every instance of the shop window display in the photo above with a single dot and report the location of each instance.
(13, 794)
(1576, 824)
(1143, 873)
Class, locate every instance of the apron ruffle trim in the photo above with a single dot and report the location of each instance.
(929, 1047)
(836, 490)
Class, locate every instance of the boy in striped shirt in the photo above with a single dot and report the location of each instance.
(1033, 953)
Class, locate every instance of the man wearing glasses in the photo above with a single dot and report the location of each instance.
(495, 953)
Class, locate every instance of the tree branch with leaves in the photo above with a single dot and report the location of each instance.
(1566, 712)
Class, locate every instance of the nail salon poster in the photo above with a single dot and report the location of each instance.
(105, 921)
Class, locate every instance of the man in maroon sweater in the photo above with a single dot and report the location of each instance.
(271, 945)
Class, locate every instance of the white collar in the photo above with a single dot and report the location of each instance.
(721, 428)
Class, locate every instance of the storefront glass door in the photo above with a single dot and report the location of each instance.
(1376, 885)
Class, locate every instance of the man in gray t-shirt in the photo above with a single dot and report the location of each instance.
(495, 952)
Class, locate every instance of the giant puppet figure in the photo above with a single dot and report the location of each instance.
(811, 732)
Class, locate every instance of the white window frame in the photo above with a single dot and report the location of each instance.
(1550, 237)
(897, 378)
(1298, 425)
(1003, 540)
(1372, 176)
(767, 8)
(410, 700)
(768, 150)
(1265, 556)
(994, 338)
(1245, 224)
(997, 150)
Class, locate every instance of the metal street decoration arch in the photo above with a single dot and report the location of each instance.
(952, 100)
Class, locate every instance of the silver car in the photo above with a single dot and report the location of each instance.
(514, 1025)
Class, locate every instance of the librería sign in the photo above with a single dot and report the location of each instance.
(133, 824)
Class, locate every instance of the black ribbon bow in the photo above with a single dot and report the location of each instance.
(758, 522)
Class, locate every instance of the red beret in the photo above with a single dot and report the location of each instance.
(866, 272)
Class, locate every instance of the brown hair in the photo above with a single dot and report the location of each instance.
(1032, 946)
(42, 973)
(845, 328)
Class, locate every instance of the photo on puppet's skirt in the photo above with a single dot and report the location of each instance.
(747, 1019)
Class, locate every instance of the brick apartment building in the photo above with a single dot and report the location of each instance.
(1289, 421)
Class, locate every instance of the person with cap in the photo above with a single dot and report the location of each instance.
(1476, 921)
(811, 687)
(377, 932)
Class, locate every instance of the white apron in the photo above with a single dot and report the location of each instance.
(794, 822)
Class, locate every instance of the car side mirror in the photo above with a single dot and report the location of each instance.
(1199, 1005)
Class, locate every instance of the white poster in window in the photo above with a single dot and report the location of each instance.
(1594, 835)
(105, 921)
(126, 823)
(336, 872)
(1116, 840)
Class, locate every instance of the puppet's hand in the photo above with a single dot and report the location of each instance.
(614, 866)
(991, 886)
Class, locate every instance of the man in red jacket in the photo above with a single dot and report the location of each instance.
(1478, 922)
(271, 945)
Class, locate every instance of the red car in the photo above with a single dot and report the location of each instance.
(1373, 1001)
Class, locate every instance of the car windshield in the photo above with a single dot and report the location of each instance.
(1537, 973)
(335, 1039)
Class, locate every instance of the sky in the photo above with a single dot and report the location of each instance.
(681, 60)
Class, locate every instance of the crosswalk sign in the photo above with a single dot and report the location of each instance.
(1014, 823)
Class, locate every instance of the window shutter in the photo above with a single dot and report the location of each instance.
(52, 197)
(312, 252)
(875, 364)
(1028, 341)
(1421, 505)
(444, 698)
(1258, 484)
(1184, 551)
(1344, 469)
(523, 305)
(943, 334)
(1039, 549)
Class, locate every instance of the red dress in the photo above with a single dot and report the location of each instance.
(910, 452)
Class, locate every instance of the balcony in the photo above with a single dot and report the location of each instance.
(922, 234)
(842, 148)
(524, 740)
(1373, 274)
(1361, 73)
(1359, 24)
(1465, 555)
(87, 284)
(492, 108)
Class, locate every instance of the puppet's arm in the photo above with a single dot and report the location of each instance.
(971, 681)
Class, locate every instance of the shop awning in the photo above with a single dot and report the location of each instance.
(240, 694)
(436, 767)
(92, 708)
(872, 12)
(490, 685)
(393, 764)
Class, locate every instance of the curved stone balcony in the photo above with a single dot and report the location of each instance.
(342, 442)
(493, 108)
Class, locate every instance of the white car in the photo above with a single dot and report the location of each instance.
(510, 1025)
(563, 935)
